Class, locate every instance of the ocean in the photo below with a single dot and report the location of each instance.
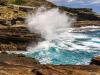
(76, 48)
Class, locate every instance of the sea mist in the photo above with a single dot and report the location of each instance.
(48, 22)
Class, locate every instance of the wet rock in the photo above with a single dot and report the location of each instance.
(95, 61)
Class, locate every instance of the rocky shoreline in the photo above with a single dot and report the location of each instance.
(14, 36)
(17, 64)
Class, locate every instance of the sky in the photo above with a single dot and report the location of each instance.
(95, 4)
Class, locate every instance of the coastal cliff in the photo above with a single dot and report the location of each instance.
(11, 14)
(14, 36)
(13, 27)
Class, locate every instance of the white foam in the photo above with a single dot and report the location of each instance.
(48, 23)
(96, 39)
(91, 44)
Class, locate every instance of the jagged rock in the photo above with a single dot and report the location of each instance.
(95, 61)
(13, 64)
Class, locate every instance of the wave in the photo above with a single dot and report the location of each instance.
(62, 44)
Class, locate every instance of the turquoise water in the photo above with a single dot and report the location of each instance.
(77, 49)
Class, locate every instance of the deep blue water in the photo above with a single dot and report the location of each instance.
(79, 49)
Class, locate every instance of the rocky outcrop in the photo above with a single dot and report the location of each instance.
(82, 14)
(16, 38)
(95, 61)
(13, 64)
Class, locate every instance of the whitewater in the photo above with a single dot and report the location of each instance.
(63, 44)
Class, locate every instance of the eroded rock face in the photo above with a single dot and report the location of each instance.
(16, 38)
(95, 61)
(13, 64)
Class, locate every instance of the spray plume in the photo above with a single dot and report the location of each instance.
(48, 22)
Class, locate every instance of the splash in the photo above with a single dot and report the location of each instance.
(61, 45)
(49, 22)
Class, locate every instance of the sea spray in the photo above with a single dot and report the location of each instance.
(49, 23)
